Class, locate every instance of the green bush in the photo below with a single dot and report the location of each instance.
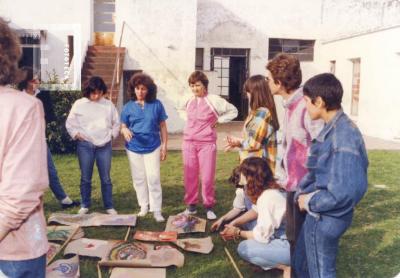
(57, 135)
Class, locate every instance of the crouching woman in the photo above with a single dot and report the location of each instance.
(266, 245)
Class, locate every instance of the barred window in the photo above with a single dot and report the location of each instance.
(302, 49)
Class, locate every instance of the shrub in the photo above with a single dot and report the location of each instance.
(57, 135)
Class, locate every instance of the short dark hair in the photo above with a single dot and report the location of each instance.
(93, 84)
(327, 87)
(29, 75)
(234, 179)
(259, 177)
(285, 68)
(145, 80)
(198, 76)
(10, 54)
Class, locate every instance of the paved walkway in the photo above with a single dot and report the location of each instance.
(235, 129)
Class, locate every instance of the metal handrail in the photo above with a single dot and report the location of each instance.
(116, 72)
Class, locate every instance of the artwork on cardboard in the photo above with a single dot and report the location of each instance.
(156, 236)
(197, 245)
(119, 272)
(182, 223)
(89, 247)
(68, 268)
(93, 219)
(53, 250)
(140, 254)
(62, 233)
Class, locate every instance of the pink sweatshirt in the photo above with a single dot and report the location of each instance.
(23, 176)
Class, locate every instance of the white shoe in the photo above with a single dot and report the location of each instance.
(211, 215)
(188, 212)
(158, 216)
(112, 211)
(83, 211)
(143, 212)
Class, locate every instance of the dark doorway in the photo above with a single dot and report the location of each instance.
(232, 65)
(237, 77)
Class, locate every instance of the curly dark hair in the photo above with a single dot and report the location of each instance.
(259, 177)
(93, 84)
(145, 80)
(10, 53)
(285, 68)
(198, 76)
(234, 179)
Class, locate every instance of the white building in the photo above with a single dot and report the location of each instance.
(230, 40)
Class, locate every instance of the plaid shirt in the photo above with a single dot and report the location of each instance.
(259, 137)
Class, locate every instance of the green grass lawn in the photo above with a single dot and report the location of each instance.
(371, 248)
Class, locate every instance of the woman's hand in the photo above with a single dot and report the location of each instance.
(163, 152)
(230, 232)
(79, 137)
(232, 142)
(126, 133)
(217, 224)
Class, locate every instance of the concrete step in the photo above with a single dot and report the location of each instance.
(105, 48)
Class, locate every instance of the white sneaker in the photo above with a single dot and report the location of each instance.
(83, 210)
(112, 211)
(211, 215)
(143, 212)
(158, 216)
(188, 212)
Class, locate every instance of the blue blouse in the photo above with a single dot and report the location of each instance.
(144, 123)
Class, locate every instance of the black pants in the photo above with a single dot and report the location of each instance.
(294, 221)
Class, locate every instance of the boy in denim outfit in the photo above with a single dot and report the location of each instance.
(335, 183)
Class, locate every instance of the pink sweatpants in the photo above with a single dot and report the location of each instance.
(199, 159)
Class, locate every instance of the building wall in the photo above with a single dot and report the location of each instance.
(59, 18)
(159, 37)
(379, 52)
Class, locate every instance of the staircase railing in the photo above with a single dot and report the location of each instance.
(116, 72)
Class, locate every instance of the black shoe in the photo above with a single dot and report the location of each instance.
(73, 204)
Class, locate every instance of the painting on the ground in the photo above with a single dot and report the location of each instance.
(62, 233)
(68, 268)
(140, 254)
(119, 272)
(156, 236)
(182, 223)
(53, 250)
(89, 247)
(93, 219)
(197, 245)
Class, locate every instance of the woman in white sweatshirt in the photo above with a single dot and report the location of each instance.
(93, 121)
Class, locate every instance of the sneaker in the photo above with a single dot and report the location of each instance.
(83, 211)
(70, 205)
(143, 212)
(211, 215)
(158, 216)
(111, 211)
(188, 211)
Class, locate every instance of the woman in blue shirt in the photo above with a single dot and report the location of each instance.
(142, 121)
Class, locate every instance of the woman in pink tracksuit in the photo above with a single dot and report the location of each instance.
(199, 149)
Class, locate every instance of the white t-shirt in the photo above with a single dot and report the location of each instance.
(238, 202)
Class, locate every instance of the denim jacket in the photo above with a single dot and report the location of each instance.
(337, 164)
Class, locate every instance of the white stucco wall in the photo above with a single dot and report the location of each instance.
(59, 18)
(379, 97)
(160, 39)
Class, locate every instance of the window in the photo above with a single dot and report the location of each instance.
(199, 61)
(303, 49)
(30, 44)
(355, 89)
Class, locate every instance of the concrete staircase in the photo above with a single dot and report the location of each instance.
(100, 61)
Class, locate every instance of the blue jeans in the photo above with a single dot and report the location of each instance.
(54, 181)
(318, 242)
(33, 268)
(266, 255)
(87, 155)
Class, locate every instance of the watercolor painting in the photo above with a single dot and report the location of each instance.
(54, 248)
(197, 245)
(119, 272)
(61, 233)
(93, 219)
(185, 224)
(156, 236)
(68, 268)
(89, 247)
